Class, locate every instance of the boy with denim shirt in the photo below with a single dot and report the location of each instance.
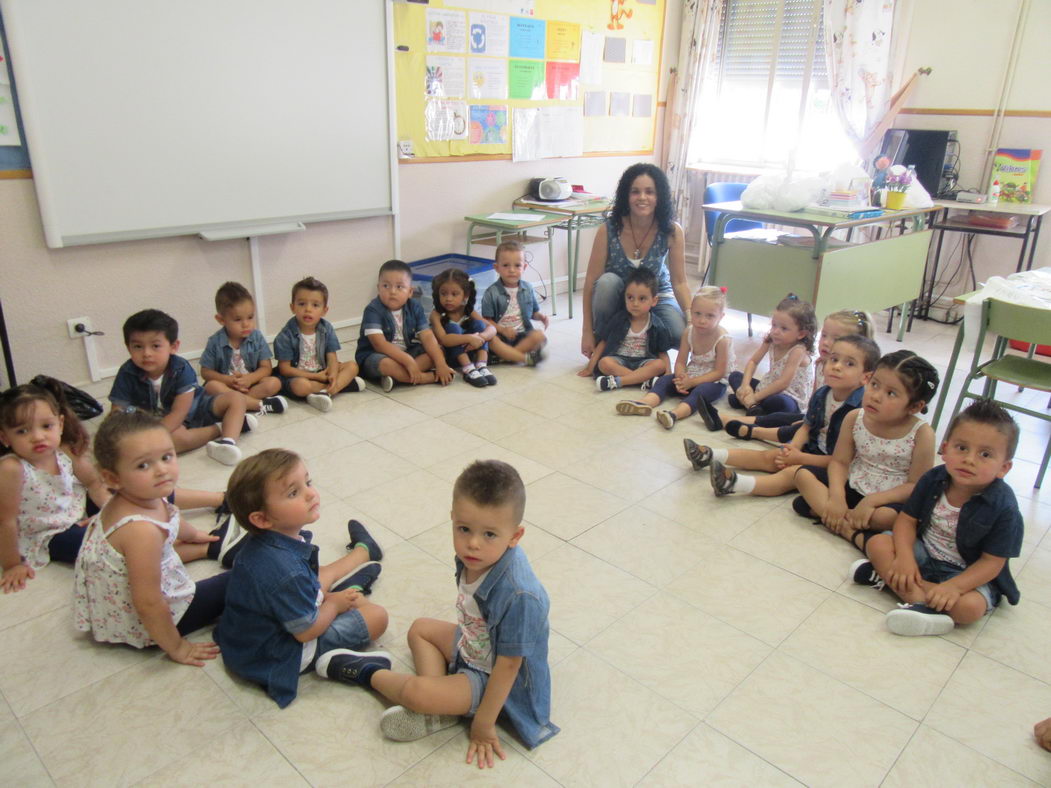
(510, 305)
(283, 612)
(156, 380)
(237, 356)
(947, 555)
(306, 350)
(396, 343)
(495, 658)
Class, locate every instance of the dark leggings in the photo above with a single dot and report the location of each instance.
(775, 403)
(209, 599)
(665, 387)
(65, 545)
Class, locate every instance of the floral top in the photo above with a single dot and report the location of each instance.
(102, 595)
(50, 505)
(880, 464)
(655, 259)
(800, 387)
(703, 363)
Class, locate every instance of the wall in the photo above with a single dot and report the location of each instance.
(967, 43)
(41, 288)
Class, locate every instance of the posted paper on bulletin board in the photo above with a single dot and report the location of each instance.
(467, 71)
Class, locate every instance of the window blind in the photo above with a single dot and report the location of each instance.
(751, 39)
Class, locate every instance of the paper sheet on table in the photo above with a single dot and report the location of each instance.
(1028, 288)
(510, 217)
(547, 132)
(446, 30)
(591, 57)
(488, 35)
(444, 77)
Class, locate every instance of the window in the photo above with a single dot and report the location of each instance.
(766, 99)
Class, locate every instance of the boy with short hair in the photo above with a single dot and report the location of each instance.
(283, 612)
(510, 305)
(947, 555)
(636, 342)
(306, 350)
(156, 380)
(396, 343)
(237, 356)
(495, 658)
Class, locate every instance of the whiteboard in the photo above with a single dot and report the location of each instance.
(152, 118)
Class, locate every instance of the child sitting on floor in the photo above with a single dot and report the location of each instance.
(849, 366)
(459, 329)
(635, 346)
(700, 381)
(947, 555)
(510, 305)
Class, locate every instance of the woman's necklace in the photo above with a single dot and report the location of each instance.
(638, 246)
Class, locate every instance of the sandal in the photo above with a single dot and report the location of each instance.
(723, 479)
(699, 456)
(733, 428)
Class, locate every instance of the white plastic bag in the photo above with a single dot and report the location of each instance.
(779, 193)
(916, 196)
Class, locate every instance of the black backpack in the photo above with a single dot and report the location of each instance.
(83, 404)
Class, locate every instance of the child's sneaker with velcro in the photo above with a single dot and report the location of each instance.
(607, 382)
(700, 457)
(723, 479)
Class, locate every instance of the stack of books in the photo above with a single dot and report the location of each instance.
(840, 212)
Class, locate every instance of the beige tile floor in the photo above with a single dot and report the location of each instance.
(694, 641)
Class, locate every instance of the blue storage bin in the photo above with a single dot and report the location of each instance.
(479, 269)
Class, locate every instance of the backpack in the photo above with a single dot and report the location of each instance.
(83, 404)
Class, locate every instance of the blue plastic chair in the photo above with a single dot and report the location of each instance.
(726, 192)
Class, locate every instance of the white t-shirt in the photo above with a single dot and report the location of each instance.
(474, 646)
(634, 343)
(399, 329)
(310, 647)
(308, 360)
(237, 362)
(156, 383)
(512, 318)
(940, 536)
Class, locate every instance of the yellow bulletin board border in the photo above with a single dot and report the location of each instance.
(604, 135)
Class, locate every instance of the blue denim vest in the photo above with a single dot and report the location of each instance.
(512, 600)
(286, 343)
(132, 386)
(218, 352)
(815, 418)
(376, 315)
(495, 301)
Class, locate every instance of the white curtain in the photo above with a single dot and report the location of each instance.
(858, 48)
(697, 49)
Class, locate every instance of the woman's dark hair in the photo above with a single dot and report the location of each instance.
(16, 401)
(665, 210)
(803, 314)
(465, 283)
(918, 376)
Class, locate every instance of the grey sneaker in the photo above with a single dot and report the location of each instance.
(401, 724)
(699, 456)
(723, 479)
(916, 619)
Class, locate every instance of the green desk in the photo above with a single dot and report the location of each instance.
(830, 274)
(492, 232)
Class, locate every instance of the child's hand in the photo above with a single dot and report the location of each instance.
(858, 517)
(835, 514)
(585, 372)
(444, 374)
(543, 319)
(1042, 732)
(191, 535)
(15, 578)
(787, 456)
(415, 376)
(942, 596)
(507, 332)
(189, 653)
(904, 575)
(473, 341)
(484, 742)
(343, 600)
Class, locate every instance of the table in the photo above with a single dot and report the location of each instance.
(493, 232)
(944, 222)
(829, 273)
(586, 213)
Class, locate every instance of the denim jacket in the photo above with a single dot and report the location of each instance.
(377, 316)
(272, 595)
(515, 607)
(659, 338)
(989, 522)
(815, 418)
(218, 353)
(495, 301)
(132, 387)
(286, 343)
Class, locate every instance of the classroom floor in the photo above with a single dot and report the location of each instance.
(694, 640)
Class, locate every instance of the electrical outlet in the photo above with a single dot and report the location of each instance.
(83, 323)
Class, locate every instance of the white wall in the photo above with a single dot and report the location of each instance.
(966, 43)
(41, 288)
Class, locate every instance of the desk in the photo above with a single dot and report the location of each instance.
(829, 273)
(493, 232)
(588, 213)
(944, 222)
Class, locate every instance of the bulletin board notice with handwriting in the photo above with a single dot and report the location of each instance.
(531, 78)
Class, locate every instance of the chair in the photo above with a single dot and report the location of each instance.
(1025, 323)
(725, 192)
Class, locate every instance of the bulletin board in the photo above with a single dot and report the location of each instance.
(585, 72)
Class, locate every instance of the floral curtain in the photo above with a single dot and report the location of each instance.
(697, 49)
(858, 51)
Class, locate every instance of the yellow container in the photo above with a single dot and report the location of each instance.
(895, 200)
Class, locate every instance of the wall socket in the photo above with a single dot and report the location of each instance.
(83, 323)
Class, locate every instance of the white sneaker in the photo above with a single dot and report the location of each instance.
(321, 401)
(358, 384)
(386, 383)
(223, 450)
(916, 619)
(251, 422)
(400, 724)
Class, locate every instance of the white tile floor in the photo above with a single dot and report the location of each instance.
(694, 640)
